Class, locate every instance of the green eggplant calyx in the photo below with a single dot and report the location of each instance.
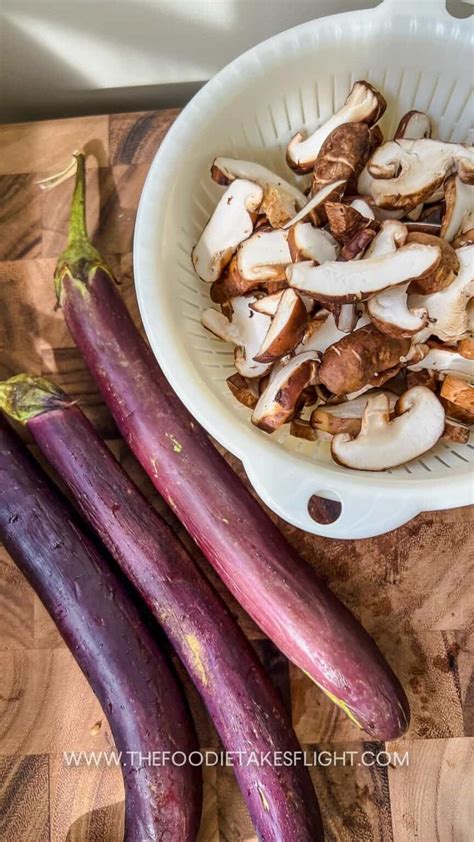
(79, 256)
(25, 397)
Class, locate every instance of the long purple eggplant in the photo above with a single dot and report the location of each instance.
(276, 587)
(240, 698)
(111, 642)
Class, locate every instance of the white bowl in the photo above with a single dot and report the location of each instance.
(419, 57)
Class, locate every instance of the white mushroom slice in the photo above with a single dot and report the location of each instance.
(221, 326)
(362, 207)
(389, 310)
(456, 432)
(268, 305)
(391, 314)
(447, 309)
(413, 125)
(264, 256)
(286, 328)
(347, 317)
(382, 443)
(309, 243)
(246, 329)
(407, 172)
(465, 235)
(345, 417)
(363, 105)
(230, 223)
(459, 207)
(391, 236)
(252, 328)
(446, 362)
(322, 332)
(226, 170)
(315, 202)
(358, 280)
(279, 399)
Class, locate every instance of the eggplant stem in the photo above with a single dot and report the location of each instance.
(80, 256)
(24, 397)
(77, 221)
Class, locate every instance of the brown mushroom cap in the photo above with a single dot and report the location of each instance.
(243, 389)
(345, 221)
(342, 157)
(443, 273)
(352, 362)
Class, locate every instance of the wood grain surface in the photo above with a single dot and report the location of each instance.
(412, 588)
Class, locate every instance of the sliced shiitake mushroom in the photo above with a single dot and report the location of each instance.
(354, 360)
(459, 198)
(445, 270)
(456, 432)
(309, 243)
(384, 443)
(444, 362)
(279, 400)
(346, 417)
(342, 156)
(447, 308)
(245, 390)
(230, 224)
(286, 328)
(457, 397)
(413, 125)
(354, 281)
(363, 104)
(245, 329)
(405, 173)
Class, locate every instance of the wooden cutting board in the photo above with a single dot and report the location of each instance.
(411, 588)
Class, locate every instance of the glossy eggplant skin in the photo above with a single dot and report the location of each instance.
(241, 700)
(279, 590)
(110, 640)
(276, 587)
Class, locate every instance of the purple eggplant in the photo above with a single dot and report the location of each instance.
(242, 702)
(111, 642)
(276, 587)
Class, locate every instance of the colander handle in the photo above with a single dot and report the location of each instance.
(366, 511)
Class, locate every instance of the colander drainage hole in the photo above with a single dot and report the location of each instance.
(324, 507)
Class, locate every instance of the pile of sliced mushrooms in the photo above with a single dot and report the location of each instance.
(348, 297)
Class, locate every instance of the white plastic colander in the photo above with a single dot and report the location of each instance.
(420, 57)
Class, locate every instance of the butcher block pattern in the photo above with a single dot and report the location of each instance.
(412, 588)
